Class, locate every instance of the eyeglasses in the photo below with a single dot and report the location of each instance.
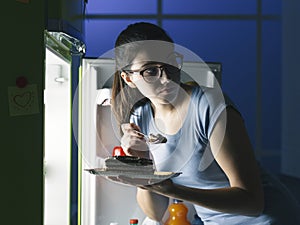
(152, 73)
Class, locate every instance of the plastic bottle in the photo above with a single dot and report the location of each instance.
(133, 221)
(178, 214)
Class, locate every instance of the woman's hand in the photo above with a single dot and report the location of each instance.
(132, 142)
(154, 185)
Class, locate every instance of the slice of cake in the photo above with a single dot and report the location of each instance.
(125, 164)
(133, 167)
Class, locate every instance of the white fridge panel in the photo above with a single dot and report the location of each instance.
(103, 201)
(57, 140)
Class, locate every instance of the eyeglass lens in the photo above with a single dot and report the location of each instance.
(153, 73)
(172, 66)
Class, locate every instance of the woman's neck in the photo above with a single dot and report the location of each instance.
(169, 118)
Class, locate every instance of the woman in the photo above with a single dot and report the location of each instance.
(206, 138)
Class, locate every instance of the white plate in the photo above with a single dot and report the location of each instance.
(157, 175)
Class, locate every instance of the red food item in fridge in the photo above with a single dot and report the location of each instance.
(118, 151)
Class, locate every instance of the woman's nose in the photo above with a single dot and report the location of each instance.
(164, 76)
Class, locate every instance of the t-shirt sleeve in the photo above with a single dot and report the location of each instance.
(210, 104)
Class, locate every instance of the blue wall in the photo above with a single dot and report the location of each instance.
(290, 88)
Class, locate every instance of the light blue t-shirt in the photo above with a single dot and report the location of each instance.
(188, 151)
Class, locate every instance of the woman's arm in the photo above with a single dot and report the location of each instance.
(235, 156)
(233, 152)
(153, 205)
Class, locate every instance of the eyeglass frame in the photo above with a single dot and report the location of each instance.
(160, 67)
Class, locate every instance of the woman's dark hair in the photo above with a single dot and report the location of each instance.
(123, 97)
(142, 31)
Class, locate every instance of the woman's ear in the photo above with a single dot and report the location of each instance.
(127, 80)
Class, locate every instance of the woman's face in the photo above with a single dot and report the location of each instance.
(163, 87)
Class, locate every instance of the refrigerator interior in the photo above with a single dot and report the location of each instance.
(103, 201)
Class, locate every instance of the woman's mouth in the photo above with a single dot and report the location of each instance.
(168, 89)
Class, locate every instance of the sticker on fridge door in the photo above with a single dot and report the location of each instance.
(23, 101)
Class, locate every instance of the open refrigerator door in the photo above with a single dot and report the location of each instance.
(62, 63)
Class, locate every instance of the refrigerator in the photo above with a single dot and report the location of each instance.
(80, 132)
(78, 135)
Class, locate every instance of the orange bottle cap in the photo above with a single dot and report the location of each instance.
(134, 221)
